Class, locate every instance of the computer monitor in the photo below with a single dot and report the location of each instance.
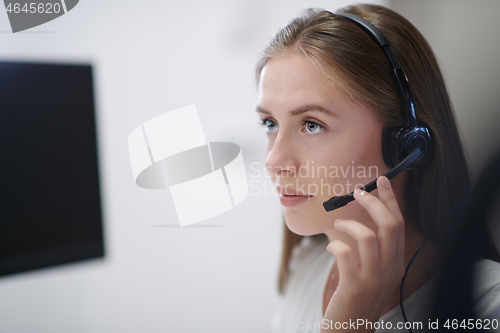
(50, 201)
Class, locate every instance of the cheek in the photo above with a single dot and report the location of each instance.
(270, 144)
(345, 167)
(268, 151)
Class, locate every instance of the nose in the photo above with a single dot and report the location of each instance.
(282, 159)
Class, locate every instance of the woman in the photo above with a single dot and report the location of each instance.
(326, 95)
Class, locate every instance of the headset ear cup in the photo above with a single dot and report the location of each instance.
(398, 141)
(419, 137)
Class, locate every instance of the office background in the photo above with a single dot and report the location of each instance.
(153, 56)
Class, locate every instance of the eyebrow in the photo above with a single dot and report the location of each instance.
(302, 109)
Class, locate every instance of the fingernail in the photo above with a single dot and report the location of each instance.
(385, 182)
(359, 191)
(338, 220)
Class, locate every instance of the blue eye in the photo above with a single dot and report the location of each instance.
(271, 125)
(312, 127)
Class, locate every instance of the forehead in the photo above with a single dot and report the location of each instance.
(289, 83)
(292, 79)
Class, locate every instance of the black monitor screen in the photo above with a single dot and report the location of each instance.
(50, 207)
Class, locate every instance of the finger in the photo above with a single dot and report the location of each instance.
(387, 226)
(386, 195)
(344, 256)
(367, 245)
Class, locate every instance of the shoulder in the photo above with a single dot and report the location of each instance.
(487, 288)
(486, 276)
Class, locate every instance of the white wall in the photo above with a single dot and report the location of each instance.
(151, 57)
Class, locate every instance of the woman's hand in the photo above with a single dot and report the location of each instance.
(368, 279)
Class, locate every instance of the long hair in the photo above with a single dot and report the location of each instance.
(341, 49)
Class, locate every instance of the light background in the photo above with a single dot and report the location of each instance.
(154, 56)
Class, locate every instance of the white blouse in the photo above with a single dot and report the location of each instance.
(300, 308)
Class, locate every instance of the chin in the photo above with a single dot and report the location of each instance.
(301, 225)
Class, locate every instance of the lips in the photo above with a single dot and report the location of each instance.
(290, 198)
(286, 191)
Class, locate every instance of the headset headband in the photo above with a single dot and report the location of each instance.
(398, 74)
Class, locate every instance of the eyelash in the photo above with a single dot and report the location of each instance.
(305, 122)
(264, 122)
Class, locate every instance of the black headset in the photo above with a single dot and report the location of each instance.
(405, 147)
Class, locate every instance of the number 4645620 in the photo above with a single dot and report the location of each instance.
(47, 8)
(484, 324)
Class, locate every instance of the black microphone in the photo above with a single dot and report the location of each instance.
(337, 202)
